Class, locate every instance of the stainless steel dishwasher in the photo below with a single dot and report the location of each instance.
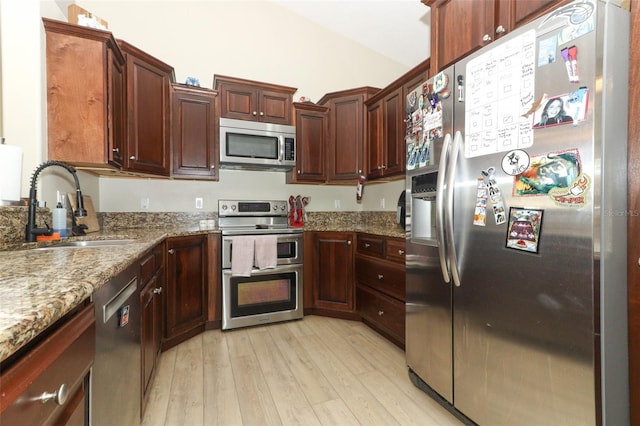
(115, 376)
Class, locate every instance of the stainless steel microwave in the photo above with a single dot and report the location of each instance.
(255, 145)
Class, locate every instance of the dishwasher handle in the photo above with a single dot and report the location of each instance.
(113, 306)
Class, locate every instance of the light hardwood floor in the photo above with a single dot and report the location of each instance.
(315, 371)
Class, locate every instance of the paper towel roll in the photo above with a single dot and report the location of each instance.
(10, 172)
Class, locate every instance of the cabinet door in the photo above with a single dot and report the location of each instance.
(148, 115)
(459, 27)
(311, 134)
(393, 138)
(375, 141)
(186, 299)
(333, 280)
(117, 113)
(150, 309)
(238, 101)
(195, 147)
(513, 13)
(346, 133)
(275, 107)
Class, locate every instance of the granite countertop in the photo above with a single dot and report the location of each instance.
(38, 287)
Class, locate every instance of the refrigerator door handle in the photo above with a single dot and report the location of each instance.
(453, 159)
(440, 221)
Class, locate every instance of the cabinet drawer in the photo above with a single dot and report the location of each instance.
(396, 250)
(65, 357)
(384, 276)
(371, 246)
(384, 312)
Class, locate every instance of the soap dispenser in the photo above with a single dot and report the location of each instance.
(60, 219)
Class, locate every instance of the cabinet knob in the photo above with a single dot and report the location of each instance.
(157, 290)
(486, 38)
(261, 114)
(213, 167)
(500, 29)
(348, 242)
(116, 150)
(298, 171)
(380, 313)
(59, 397)
(172, 251)
(255, 112)
(367, 245)
(380, 276)
(133, 157)
(400, 252)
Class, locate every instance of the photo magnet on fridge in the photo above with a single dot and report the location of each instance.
(523, 232)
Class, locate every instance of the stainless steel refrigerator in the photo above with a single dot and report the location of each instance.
(516, 225)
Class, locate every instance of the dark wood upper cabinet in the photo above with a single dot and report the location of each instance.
(148, 105)
(347, 124)
(311, 139)
(385, 145)
(194, 137)
(254, 101)
(459, 27)
(86, 110)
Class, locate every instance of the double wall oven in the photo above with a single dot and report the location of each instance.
(265, 295)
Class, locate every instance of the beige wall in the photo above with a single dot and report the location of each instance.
(249, 39)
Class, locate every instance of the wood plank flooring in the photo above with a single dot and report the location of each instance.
(315, 371)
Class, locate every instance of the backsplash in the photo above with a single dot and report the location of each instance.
(13, 221)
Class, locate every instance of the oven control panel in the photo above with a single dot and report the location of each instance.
(252, 208)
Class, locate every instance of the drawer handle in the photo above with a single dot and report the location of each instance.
(60, 397)
(367, 245)
(172, 251)
(380, 313)
(380, 276)
(400, 252)
(157, 290)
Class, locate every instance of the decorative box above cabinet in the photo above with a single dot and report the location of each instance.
(86, 110)
(254, 101)
(194, 138)
(148, 105)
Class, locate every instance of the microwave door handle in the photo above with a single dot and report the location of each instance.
(440, 221)
(281, 145)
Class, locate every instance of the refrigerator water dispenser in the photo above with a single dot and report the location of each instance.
(423, 206)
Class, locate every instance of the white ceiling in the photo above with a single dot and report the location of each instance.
(398, 29)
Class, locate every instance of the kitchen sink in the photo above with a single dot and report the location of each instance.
(87, 244)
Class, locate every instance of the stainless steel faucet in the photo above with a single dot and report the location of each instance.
(31, 229)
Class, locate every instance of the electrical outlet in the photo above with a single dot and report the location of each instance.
(144, 203)
(382, 203)
(199, 203)
(336, 203)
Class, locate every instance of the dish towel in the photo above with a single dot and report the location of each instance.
(242, 252)
(266, 251)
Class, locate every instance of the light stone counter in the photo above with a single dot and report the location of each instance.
(38, 287)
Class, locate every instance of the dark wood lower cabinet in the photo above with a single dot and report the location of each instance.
(63, 358)
(329, 272)
(186, 284)
(381, 285)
